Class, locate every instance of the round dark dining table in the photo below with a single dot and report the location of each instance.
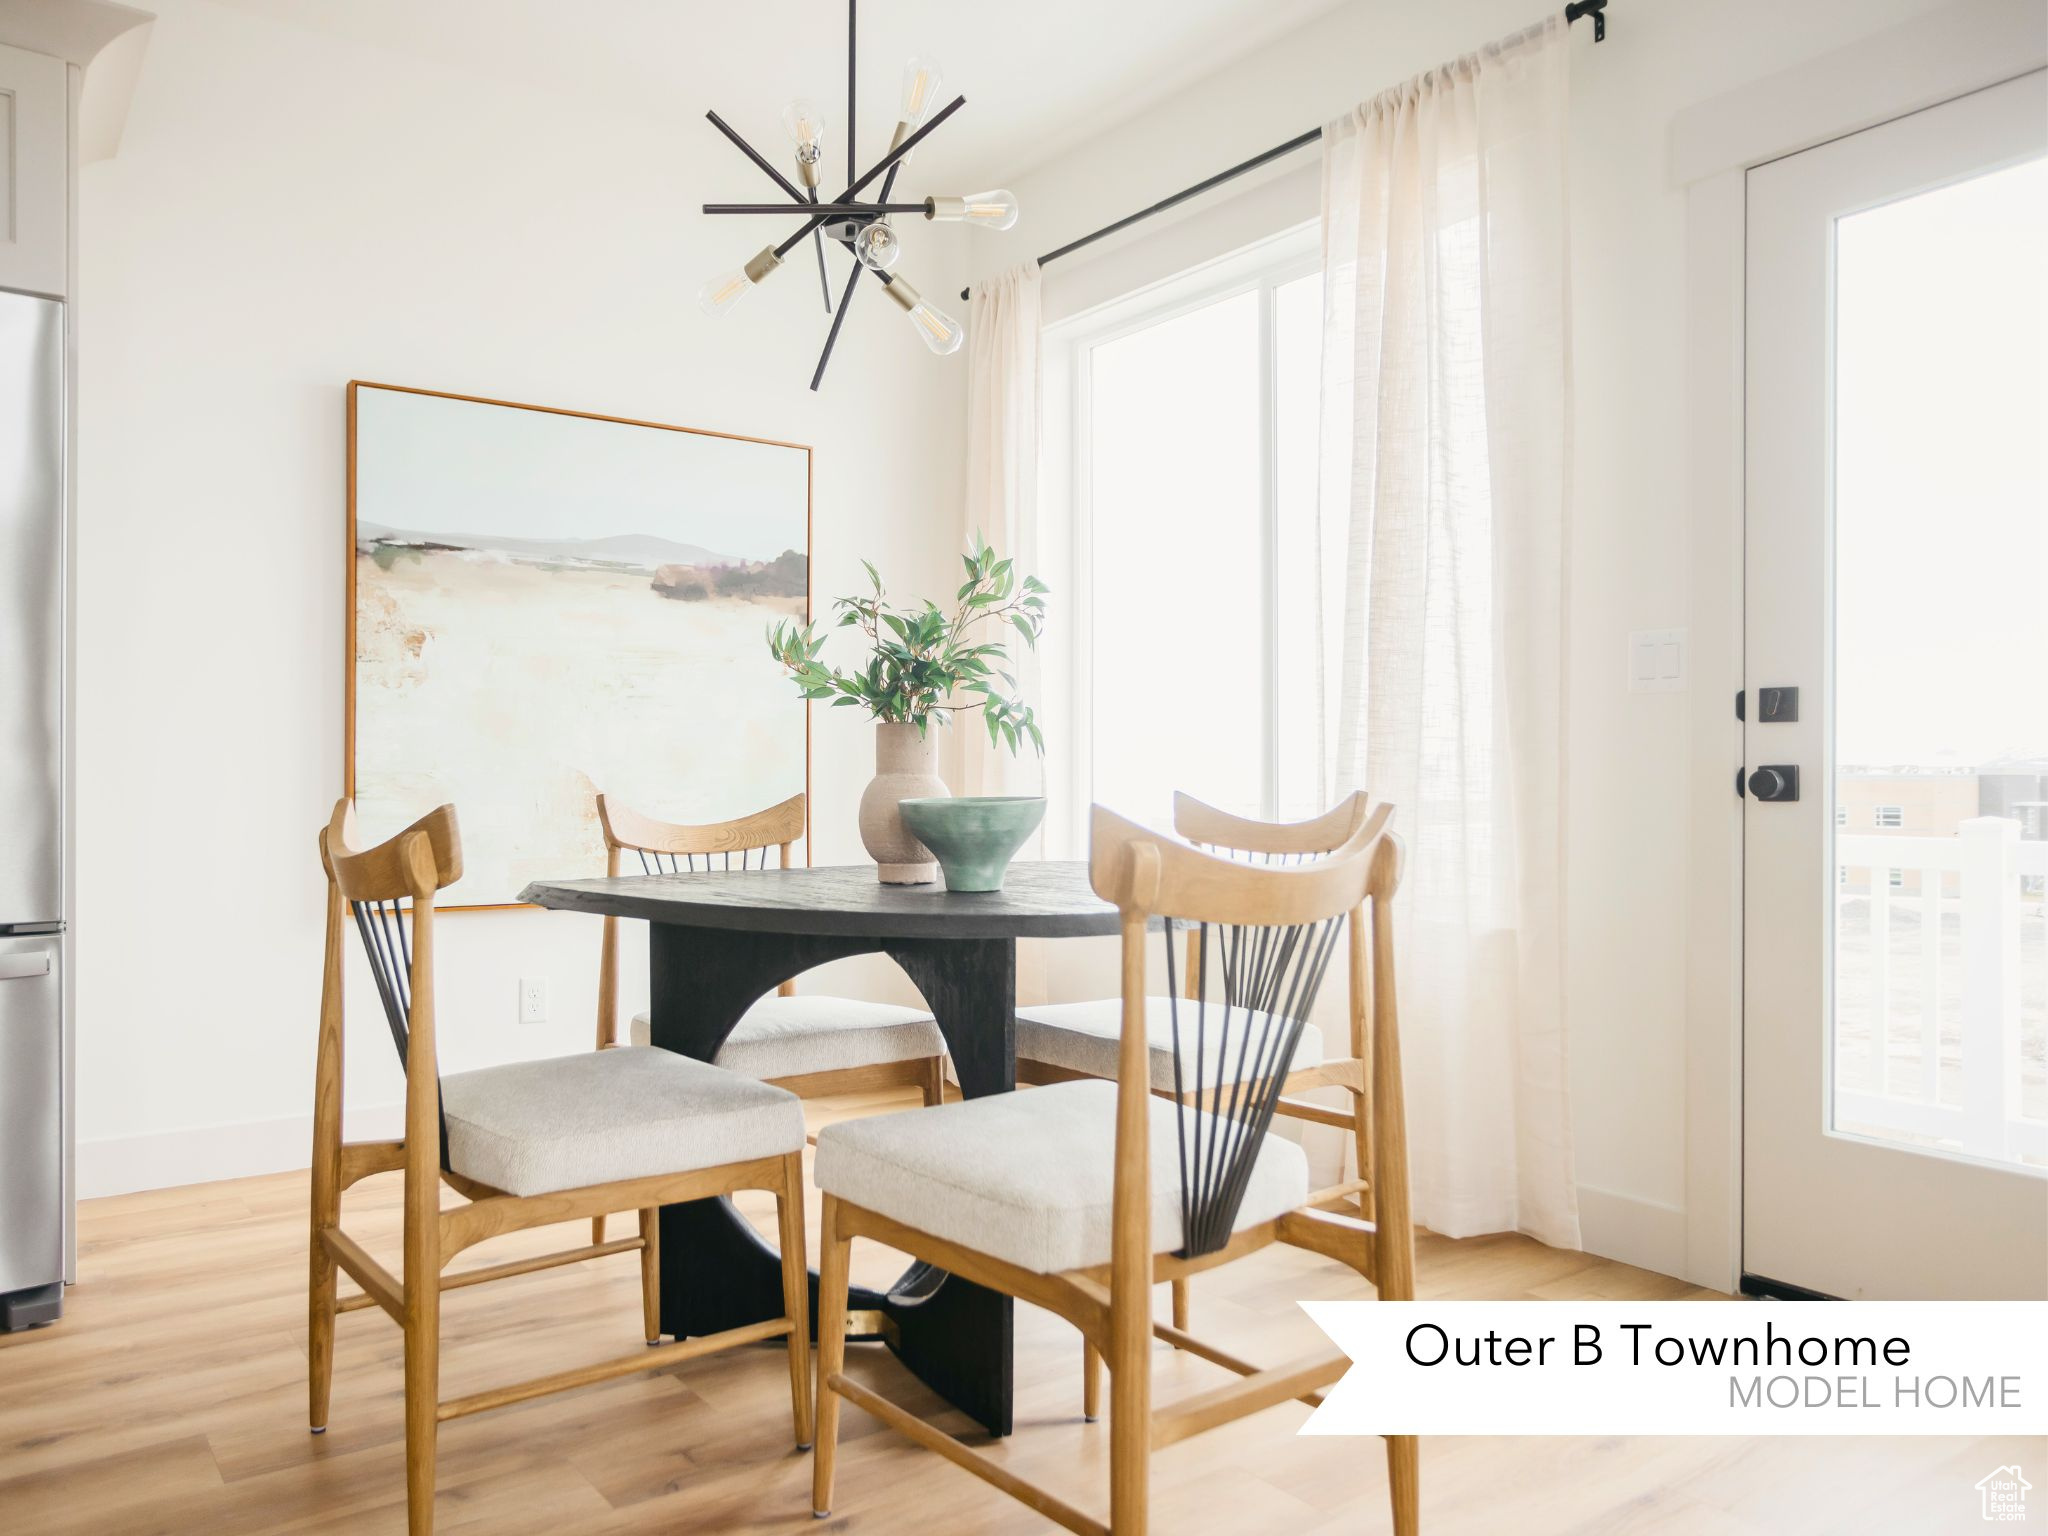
(719, 942)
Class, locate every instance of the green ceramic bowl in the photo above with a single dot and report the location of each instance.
(974, 837)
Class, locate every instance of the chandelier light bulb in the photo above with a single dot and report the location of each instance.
(992, 210)
(878, 246)
(935, 328)
(723, 293)
(985, 210)
(806, 126)
(921, 82)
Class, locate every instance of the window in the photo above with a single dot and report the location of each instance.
(1191, 481)
(1890, 816)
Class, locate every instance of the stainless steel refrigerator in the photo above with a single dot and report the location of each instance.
(35, 1131)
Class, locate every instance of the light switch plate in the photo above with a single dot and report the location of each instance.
(1656, 661)
(533, 1000)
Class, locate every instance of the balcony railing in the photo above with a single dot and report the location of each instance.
(1972, 1099)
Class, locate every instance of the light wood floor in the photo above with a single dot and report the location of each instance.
(171, 1398)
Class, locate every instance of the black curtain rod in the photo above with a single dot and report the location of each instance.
(1593, 8)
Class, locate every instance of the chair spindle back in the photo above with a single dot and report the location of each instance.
(656, 861)
(1270, 844)
(389, 890)
(1272, 931)
(667, 848)
(387, 944)
(1243, 1045)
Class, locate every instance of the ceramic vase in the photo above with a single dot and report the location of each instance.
(906, 768)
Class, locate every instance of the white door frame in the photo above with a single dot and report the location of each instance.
(1712, 146)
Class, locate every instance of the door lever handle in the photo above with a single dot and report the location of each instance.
(21, 967)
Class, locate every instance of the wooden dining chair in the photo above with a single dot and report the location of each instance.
(1080, 1196)
(529, 1144)
(1065, 1042)
(810, 1045)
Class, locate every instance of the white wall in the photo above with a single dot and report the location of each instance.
(1625, 837)
(288, 211)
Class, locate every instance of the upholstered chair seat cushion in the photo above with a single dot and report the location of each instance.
(1028, 1177)
(1084, 1037)
(566, 1121)
(789, 1036)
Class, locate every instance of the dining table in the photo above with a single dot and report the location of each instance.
(719, 941)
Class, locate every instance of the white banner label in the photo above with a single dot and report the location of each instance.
(1686, 1368)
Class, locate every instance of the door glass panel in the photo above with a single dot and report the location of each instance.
(1940, 811)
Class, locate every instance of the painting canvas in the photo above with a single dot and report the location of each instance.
(545, 605)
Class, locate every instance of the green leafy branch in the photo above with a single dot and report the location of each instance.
(924, 662)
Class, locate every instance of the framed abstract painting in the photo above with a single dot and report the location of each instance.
(544, 605)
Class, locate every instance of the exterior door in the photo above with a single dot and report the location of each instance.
(1895, 1063)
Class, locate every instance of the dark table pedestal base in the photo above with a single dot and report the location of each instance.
(716, 1271)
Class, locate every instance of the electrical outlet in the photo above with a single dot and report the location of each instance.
(533, 1000)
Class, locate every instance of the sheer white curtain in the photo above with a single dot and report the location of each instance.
(1444, 507)
(1002, 489)
(1003, 350)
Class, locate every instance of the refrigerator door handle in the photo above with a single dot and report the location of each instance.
(21, 967)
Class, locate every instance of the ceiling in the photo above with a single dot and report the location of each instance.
(1039, 78)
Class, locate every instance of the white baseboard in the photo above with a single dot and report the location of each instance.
(1645, 1233)
(121, 1165)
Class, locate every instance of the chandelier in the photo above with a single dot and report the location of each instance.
(866, 229)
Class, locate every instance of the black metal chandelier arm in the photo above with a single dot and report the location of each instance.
(824, 279)
(910, 142)
(840, 203)
(758, 158)
(839, 210)
(889, 183)
(887, 162)
(838, 319)
(852, 279)
(798, 238)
